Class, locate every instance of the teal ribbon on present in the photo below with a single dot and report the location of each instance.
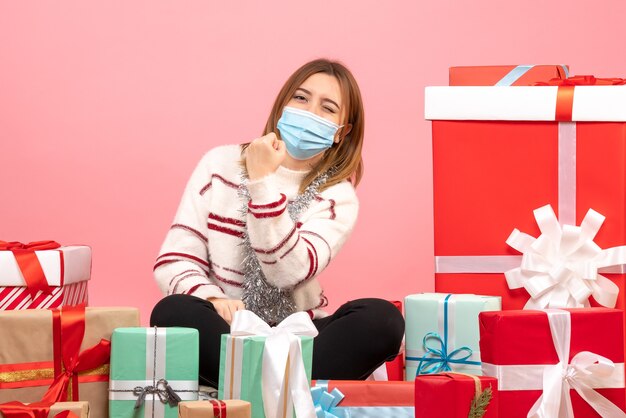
(324, 402)
(437, 360)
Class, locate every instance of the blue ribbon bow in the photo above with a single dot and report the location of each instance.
(437, 360)
(325, 403)
(441, 359)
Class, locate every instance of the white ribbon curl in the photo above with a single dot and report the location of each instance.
(560, 268)
(284, 378)
(580, 374)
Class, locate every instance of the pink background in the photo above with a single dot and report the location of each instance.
(106, 107)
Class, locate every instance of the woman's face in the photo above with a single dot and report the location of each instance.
(319, 94)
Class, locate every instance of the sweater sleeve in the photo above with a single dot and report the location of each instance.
(183, 264)
(293, 253)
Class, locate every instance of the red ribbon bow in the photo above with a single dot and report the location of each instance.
(34, 410)
(565, 94)
(582, 80)
(29, 263)
(69, 330)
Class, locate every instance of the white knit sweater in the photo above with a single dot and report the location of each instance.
(202, 255)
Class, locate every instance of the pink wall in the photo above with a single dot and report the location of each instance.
(105, 108)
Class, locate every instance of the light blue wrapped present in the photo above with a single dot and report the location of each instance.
(442, 332)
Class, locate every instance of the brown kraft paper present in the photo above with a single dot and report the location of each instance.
(28, 359)
(81, 409)
(214, 409)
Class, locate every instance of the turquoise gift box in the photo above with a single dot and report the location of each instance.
(151, 370)
(442, 332)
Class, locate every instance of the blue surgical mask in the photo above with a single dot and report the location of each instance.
(305, 134)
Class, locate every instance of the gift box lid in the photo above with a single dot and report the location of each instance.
(598, 103)
(64, 265)
(507, 75)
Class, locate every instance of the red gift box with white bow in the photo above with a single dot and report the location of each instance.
(555, 362)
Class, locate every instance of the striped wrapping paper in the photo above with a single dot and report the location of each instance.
(18, 297)
(67, 271)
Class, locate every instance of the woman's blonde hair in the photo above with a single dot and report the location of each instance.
(344, 156)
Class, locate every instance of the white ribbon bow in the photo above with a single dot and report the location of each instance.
(585, 369)
(283, 369)
(560, 268)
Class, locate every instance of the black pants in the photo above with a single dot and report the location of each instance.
(360, 336)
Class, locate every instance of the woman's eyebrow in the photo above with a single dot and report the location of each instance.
(333, 102)
(324, 99)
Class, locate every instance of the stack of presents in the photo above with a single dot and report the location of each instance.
(528, 321)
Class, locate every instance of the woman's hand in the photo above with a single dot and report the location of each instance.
(264, 155)
(226, 308)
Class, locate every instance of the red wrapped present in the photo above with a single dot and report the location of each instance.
(555, 363)
(43, 274)
(505, 75)
(395, 367)
(359, 398)
(456, 395)
(53, 355)
(500, 152)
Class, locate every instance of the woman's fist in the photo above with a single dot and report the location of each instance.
(264, 155)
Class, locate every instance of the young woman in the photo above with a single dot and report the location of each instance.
(259, 222)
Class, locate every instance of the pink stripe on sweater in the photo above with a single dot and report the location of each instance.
(268, 214)
(190, 229)
(225, 230)
(225, 280)
(272, 205)
(222, 179)
(189, 256)
(226, 220)
(279, 246)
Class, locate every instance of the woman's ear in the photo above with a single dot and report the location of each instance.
(343, 132)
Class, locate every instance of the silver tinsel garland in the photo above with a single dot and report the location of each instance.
(267, 301)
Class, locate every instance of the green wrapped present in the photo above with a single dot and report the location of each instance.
(442, 332)
(269, 367)
(152, 369)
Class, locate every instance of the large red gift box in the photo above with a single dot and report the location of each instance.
(43, 274)
(501, 152)
(520, 348)
(509, 75)
(451, 395)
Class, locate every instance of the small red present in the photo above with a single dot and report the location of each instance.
(456, 395)
(505, 75)
(561, 362)
(357, 398)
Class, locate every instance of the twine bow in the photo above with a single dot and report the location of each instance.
(162, 389)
